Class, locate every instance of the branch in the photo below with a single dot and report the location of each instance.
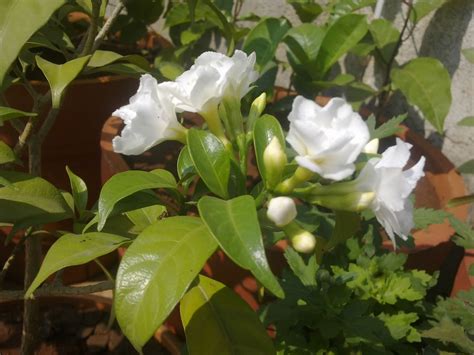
(385, 94)
(92, 32)
(48, 291)
(108, 24)
(10, 259)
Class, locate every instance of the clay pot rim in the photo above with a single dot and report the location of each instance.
(452, 185)
(163, 334)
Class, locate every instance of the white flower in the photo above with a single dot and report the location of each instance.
(149, 118)
(281, 210)
(213, 77)
(327, 139)
(372, 147)
(392, 185)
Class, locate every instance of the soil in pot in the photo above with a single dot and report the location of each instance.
(69, 325)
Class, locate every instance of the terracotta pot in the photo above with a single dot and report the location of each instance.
(74, 138)
(89, 324)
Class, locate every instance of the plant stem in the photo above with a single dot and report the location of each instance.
(384, 95)
(93, 27)
(10, 259)
(108, 24)
(49, 291)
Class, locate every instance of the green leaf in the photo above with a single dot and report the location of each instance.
(425, 82)
(59, 76)
(234, 224)
(344, 7)
(127, 183)
(72, 249)
(424, 217)
(226, 27)
(8, 113)
(467, 167)
(264, 38)
(102, 58)
(400, 325)
(266, 127)
(6, 154)
(303, 46)
(446, 331)
(211, 159)
(145, 216)
(467, 121)
(155, 273)
(307, 10)
(306, 272)
(344, 34)
(421, 8)
(30, 198)
(185, 164)
(385, 36)
(217, 321)
(347, 224)
(459, 201)
(465, 233)
(468, 54)
(19, 19)
(79, 191)
(388, 128)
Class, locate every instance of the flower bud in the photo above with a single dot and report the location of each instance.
(259, 104)
(354, 201)
(304, 242)
(301, 240)
(281, 210)
(274, 160)
(372, 147)
(256, 110)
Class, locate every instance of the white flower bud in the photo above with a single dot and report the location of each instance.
(281, 210)
(372, 147)
(274, 160)
(304, 242)
(259, 104)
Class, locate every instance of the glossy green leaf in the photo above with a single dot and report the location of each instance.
(344, 7)
(234, 224)
(8, 113)
(19, 19)
(143, 217)
(467, 121)
(127, 183)
(185, 164)
(385, 36)
(307, 10)
(468, 54)
(79, 191)
(6, 154)
(211, 159)
(266, 127)
(421, 8)
(155, 273)
(59, 76)
(303, 46)
(425, 82)
(347, 224)
(344, 34)
(225, 26)
(73, 249)
(102, 58)
(264, 38)
(30, 198)
(217, 321)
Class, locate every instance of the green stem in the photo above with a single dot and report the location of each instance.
(93, 28)
(300, 176)
(215, 125)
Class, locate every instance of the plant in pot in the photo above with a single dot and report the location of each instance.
(333, 199)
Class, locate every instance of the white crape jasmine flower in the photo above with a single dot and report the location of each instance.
(392, 186)
(213, 77)
(327, 139)
(149, 118)
(281, 210)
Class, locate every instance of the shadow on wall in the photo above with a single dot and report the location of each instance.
(442, 40)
